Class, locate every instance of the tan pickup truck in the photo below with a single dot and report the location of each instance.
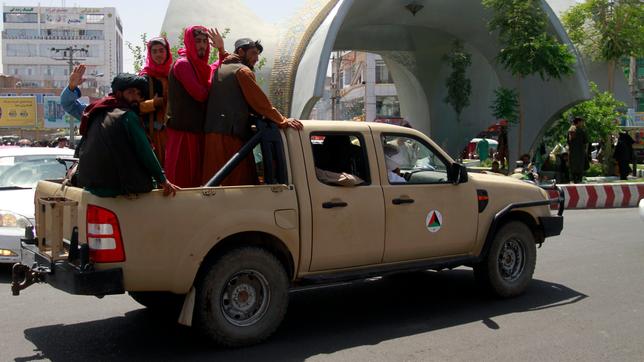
(337, 201)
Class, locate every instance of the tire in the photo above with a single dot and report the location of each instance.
(242, 297)
(507, 268)
(160, 302)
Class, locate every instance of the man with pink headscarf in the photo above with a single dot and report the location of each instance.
(153, 110)
(189, 83)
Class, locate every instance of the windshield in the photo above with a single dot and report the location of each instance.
(26, 171)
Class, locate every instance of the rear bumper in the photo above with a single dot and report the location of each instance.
(68, 277)
(551, 225)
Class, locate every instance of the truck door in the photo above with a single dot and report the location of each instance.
(426, 215)
(346, 199)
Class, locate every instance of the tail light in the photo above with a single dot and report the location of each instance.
(104, 236)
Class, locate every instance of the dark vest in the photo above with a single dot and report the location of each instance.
(107, 158)
(227, 111)
(184, 113)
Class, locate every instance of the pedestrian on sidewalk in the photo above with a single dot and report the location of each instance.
(577, 148)
(624, 154)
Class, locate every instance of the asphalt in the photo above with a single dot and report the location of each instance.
(585, 303)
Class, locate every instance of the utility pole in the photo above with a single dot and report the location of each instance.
(335, 84)
(68, 56)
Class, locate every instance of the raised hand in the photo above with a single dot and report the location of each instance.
(76, 78)
(216, 40)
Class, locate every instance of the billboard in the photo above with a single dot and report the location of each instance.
(55, 116)
(18, 112)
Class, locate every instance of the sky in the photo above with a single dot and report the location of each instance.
(135, 24)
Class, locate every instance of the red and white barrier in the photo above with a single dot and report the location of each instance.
(600, 196)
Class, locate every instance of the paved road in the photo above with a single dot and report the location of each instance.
(586, 303)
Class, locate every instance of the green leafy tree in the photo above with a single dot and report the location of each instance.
(139, 52)
(607, 30)
(505, 105)
(600, 115)
(459, 87)
(526, 46)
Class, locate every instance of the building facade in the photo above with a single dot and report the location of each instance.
(36, 43)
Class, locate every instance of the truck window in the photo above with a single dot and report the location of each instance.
(410, 161)
(336, 153)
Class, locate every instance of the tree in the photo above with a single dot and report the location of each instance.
(527, 48)
(505, 105)
(600, 115)
(139, 52)
(607, 30)
(459, 87)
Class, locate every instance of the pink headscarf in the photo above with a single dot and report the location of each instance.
(153, 69)
(200, 65)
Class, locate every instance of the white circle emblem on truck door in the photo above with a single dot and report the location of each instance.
(434, 221)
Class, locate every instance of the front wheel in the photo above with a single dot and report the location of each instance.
(507, 269)
(242, 297)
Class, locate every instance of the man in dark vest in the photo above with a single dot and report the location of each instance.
(234, 96)
(116, 157)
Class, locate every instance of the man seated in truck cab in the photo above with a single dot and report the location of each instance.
(116, 157)
(393, 163)
(339, 160)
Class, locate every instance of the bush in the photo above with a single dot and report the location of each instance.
(594, 170)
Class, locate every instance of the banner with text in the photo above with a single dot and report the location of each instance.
(18, 112)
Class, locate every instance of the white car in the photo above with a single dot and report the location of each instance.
(20, 171)
(642, 209)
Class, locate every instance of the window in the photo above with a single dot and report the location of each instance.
(340, 159)
(95, 18)
(411, 161)
(382, 73)
(22, 50)
(21, 33)
(20, 18)
(387, 107)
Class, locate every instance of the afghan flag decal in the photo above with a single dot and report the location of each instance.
(434, 221)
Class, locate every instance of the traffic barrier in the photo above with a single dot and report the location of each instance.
(600, 196)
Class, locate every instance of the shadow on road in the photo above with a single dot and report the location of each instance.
(318, 321)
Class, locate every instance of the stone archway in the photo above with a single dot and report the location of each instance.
(413, 46)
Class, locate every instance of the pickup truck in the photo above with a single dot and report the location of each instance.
(225, 258)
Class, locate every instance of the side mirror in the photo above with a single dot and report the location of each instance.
(457, 174)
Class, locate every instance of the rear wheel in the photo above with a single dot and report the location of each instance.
(242, 297)
(507, 269)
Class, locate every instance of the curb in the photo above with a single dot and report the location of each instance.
(600, 196)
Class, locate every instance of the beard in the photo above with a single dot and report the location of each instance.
(246, 62)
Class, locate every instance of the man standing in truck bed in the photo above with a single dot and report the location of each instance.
(234, 95)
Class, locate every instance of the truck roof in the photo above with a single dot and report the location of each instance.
(355, 125)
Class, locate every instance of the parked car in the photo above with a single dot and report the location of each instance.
(642, 209)
(20, 171)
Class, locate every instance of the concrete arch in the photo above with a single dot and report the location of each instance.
(387, 28)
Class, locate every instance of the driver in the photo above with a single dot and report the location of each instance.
(393, 164)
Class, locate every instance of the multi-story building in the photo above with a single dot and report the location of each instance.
(364, 88)
(36, 43)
